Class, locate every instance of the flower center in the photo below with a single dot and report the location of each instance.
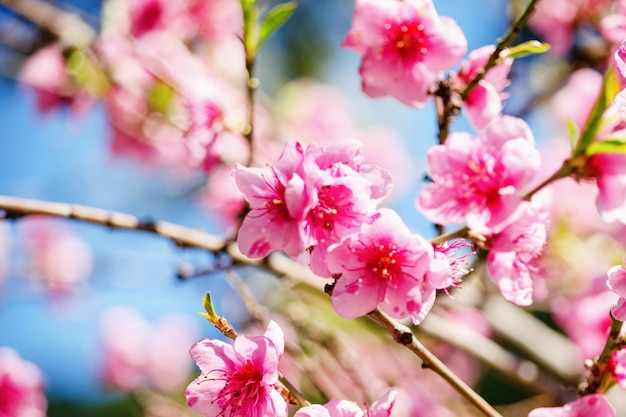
(383, 262)
(242, 391)
(409, 39)
(335, 206)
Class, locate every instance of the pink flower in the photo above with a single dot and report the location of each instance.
(139, 354)
(21, 386)
(447, 267)
(342, 408)
(575, 100)
(46, 72)
(59, 259)
(513, 251)
(404, 46)
(484, 102)
(275, 220)
(238, 379)
(616, 281)
(480, 180)
(619, 58)
(384, 264)
(618, 362)
(595, 405)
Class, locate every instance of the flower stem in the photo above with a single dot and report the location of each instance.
(404, 336)
(459, 233)
(501, 46)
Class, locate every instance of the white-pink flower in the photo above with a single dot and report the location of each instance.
(513, 251)
(342, 408)
(479, 181)
(484, 102)
(21, 386)
(275, 195)
(385, 265)
(238, 379)
(616, 281)
(595, 405)
(405, 46)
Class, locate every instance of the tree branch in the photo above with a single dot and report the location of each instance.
(68, 27)
(404, 336)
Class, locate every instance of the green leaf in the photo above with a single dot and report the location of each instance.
(572, 129)
(160, 97)
(275, 18)
(210, 314)
(527, 48)
(617, 145)
(610, 89)
(250, 27)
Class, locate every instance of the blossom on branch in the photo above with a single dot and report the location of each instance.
(595, 405)
(479, 181)
(384, 265)
(484, 102)
(238, 379)
(342, 408)
(405, 46)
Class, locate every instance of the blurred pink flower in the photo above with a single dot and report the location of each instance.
(595, 405)
(139, 354)
(385, 265)
(480, 180)
(575, 100)
(46, 72)
(484, 102)
(513, 251)
(238, 379)
(616, 281)
(59, 259)
(342, 408)
(585, 319)
(405, 46)
(21, 387)
(619, 59)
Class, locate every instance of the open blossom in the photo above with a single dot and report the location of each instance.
(238, 379)
(480, 180)
(405, 46)
(382, 265)
(21, 386)
(513, 250)
(617, 282)
(342, 408)
(595, 405)
(484, 102)
(276, 205)
(312, 197)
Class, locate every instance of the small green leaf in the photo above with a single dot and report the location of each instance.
(527, 48)
(610, 89)
(160, 97)
(275, 18)
(572, 129)
(210, 314)
(617, 145)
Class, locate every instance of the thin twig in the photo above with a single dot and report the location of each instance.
(69, 28)
(503, 43)
(404, 336)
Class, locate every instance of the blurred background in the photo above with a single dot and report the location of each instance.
(78, 299)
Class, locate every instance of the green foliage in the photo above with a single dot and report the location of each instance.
(613, 145)
(275, 18)
(532, 47)
(610, 89)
